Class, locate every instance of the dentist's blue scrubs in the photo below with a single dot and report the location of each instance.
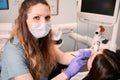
(14, 62)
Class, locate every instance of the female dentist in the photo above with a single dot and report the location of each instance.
(30, 53)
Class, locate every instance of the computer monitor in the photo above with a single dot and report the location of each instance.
(103, 11)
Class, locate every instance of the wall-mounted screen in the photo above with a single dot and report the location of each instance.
(105, 11)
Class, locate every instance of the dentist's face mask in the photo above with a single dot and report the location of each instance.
(40, 30)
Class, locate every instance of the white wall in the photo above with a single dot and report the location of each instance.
(66, 13)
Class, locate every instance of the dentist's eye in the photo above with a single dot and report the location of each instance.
(47, 18)
(37, 18)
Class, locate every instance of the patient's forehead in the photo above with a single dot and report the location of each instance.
(97, 52)
(93, 55)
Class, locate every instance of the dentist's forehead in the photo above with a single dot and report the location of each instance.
(40, 9)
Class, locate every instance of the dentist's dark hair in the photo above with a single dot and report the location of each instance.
(105, 66)
(41, 53)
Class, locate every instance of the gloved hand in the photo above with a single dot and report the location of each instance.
(85, 53)
(75, 66)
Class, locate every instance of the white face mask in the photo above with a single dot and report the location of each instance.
(40, 30)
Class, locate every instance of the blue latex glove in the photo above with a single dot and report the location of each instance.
(75, 66)
(85, 53)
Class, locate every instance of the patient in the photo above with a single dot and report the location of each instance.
(104, 65)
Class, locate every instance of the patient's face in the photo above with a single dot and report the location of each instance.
(90, 60)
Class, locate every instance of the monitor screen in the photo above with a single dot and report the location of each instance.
(98, 10)
(105, 7)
